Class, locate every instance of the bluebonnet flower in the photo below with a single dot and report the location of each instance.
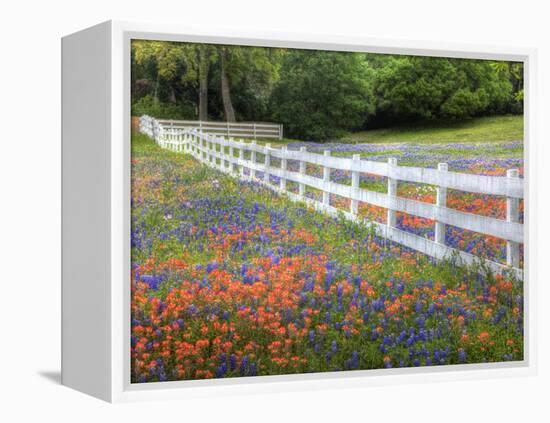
(221, 370)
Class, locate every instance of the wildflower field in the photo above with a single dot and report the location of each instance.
(230, 279)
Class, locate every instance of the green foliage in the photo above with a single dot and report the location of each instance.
(252, 73)
(317, 95)
(147, 105)
(412, 87)
(322, 95)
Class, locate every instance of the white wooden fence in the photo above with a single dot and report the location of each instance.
(228, 156)
(229, 129)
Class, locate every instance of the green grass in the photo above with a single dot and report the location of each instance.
(493, 128)
(484, 129)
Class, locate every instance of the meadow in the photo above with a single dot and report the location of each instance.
(229, 279)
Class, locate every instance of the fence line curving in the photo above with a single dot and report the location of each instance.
(228, 155)
(229, 129)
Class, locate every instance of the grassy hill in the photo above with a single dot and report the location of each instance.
(493, 128)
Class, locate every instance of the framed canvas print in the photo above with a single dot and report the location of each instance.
(264, 212)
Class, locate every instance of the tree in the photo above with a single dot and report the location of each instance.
(159, 71)
(316, 94)
(242, 68)
(321, 95)
(513, 71)
(226, 90)
(414, 87)
(174, 66)
(204, 64)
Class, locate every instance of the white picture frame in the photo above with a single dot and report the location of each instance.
(96, 214)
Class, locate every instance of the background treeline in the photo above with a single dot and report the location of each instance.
(316, 95)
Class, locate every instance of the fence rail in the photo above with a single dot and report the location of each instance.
(228, 156)
(228, 129)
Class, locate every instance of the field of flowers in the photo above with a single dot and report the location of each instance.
(231, 280)
(491, 159)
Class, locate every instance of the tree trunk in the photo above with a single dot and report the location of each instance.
(226, 94)
(173, 98)
(203, 85)
(156, 90)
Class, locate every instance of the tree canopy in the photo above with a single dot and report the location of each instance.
(321, 95)
(316, 95)
(414, 87)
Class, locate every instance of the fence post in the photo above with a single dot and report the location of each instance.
(254, 126)
(512, 215)
(392, 192)
(171, 137)
(227, 162)
(158, 135)
(221, 146)
(227, 129)
(198, 143)
(212, 150)
(253, 160)
(223, 162)
(354, 205)
(441, 201)
(241, 157)
(326, 180)
(302, 186)
(219, 142)
(283, 167)
(267, 163)
(198, 146)
(206, 145)
(231, 156)
(198, 150)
